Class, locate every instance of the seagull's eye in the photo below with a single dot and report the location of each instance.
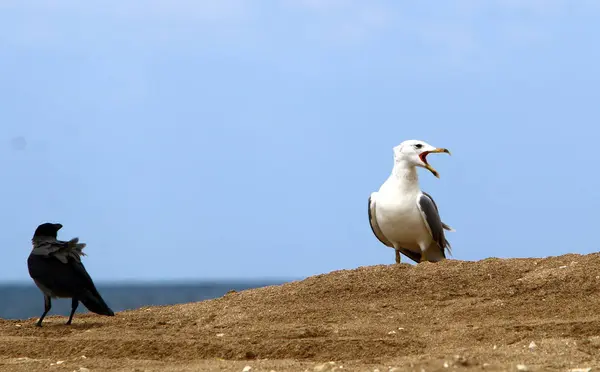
(418, 146)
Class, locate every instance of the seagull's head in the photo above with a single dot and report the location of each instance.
(47, 229)
(414, 153)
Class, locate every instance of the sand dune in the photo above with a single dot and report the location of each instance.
(492, 314)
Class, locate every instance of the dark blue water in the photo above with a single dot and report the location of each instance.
(22, 301)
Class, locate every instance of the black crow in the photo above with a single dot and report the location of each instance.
(55, 267)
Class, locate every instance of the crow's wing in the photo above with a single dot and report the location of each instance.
(67, 280)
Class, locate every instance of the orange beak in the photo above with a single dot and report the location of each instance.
(423, 157)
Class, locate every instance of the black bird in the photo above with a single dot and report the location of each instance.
(55, 267)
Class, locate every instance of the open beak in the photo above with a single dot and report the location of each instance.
(441, 150)
(423, 157)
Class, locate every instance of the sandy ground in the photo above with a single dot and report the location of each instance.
(496, 314)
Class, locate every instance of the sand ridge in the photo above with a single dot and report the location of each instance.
(494, 314)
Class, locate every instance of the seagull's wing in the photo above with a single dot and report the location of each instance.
(373, 222)
(377, 231)
(446, 227)
(432, 220)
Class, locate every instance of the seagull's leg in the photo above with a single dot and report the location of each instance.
(47, 307)
(424, 250)
(74, 304)
(397, 256)
(432, 253)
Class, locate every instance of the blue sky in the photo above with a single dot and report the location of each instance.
(203, 139)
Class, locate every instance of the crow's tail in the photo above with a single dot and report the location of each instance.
(95, 303)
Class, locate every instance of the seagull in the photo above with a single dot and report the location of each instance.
(55, 267)
(404, 217)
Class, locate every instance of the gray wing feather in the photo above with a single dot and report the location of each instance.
(432, 220)
(374, 226)
(446, 227)
(59, 249)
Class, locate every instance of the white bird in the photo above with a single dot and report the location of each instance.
(401, 215)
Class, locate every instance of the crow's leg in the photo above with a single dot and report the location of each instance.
(47, 307)
(74, 304)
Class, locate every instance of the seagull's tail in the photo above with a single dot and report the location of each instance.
(447, 227)
(448, 247)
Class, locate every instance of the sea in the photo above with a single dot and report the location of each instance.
(24, 301)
